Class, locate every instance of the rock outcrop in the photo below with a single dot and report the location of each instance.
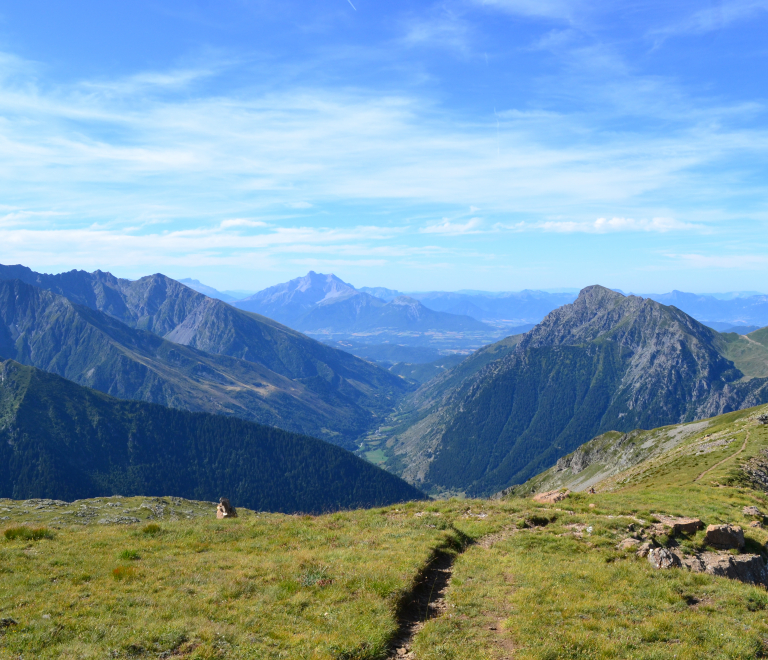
(725, 536)
(663, 558)
(551, 497)
(745, 568)
(680, 525)
(225, 509)
(756, 470)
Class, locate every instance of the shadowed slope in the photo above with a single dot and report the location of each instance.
(48, 331)
(62, 441)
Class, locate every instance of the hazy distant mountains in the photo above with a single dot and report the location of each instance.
(332, 310)
(721, 314)
(62, 441)
(226, 296)
(157, 340)
(605, 362)
(510, 309)
(325, 307)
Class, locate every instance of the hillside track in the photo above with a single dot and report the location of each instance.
(427, 599)
(725, 460)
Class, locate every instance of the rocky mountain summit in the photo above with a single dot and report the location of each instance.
(606, 362)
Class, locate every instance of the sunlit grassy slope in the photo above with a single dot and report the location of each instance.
(529, 581)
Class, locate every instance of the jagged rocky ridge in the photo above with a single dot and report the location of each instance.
(145, 340)
(607, 362)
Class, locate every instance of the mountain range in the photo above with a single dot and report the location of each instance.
(156, 340)
(330, 309)
(606, 362)
(325, 307)
(62, 441)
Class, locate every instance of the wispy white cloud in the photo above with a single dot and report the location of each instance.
(564, 10)
(242, 222)
(443, 29)
(717, 17)
(451, 228)
(732, 262)
(158, 156)
(605, 226)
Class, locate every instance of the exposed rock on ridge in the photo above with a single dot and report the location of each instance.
(605, 362)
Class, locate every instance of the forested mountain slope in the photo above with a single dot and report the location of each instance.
(62, 441)
(48, 331)
(607, 362)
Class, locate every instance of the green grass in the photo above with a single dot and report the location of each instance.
(748, 353)
(550, 596)
(377, 456)
(27, 533)
(258, 586)
(548, 583)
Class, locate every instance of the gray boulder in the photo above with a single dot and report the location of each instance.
(663, 558)
(725, 536)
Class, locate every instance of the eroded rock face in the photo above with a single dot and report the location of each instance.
(644, 549)
(551, 497)
(725, 536)
(225, 509)
(756, 470)
(745, 568)
(663, 558)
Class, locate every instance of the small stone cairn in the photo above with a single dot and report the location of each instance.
(225, 509)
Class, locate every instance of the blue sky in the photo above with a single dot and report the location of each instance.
(484, 144)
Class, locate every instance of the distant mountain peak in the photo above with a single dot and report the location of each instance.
(329, 284)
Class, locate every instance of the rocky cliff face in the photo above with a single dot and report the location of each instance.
(606, 362)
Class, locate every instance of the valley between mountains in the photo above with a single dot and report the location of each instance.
(564, 491)
(467, 423)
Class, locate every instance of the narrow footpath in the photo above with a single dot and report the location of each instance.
(725, 460)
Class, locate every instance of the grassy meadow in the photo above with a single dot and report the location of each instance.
(162, 578)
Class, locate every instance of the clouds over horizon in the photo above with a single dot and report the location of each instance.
(370, 143)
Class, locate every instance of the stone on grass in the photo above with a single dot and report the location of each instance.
(725, 536)
(663, 558)
(744, 568)
(751, 511)
(644, 549)
(628, 544)
(551, 496)
(678, 525)
(225, 509)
